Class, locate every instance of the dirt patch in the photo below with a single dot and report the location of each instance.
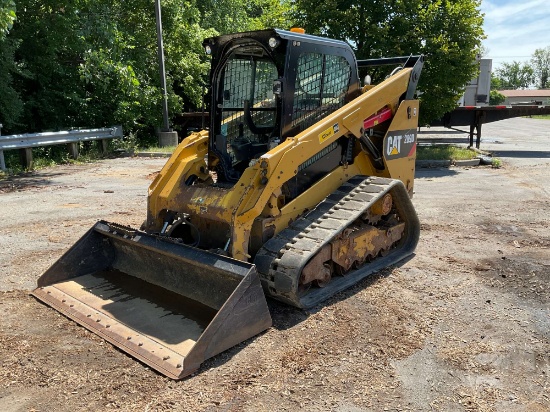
(518, 275)
(152, 176)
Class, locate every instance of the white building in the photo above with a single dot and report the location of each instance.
(526, 96)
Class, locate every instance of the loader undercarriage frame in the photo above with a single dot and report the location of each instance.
(298, 265)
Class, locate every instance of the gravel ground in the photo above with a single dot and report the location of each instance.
(463, 326)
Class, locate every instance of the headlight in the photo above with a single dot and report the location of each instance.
(208, 49)
(273, 42)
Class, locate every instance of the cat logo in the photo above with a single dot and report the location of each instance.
(394, 145)
(400, 143)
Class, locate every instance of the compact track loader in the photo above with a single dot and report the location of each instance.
(299, 188)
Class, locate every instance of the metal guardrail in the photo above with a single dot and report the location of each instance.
(23, 141)
(28, 141)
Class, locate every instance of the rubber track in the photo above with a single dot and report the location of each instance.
(281, 259)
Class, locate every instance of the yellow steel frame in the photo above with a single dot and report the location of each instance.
(257, 190)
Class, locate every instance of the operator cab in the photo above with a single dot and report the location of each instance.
(268, 85)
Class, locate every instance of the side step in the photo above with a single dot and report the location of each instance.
(169, 305)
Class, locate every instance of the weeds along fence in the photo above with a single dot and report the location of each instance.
(26, 142)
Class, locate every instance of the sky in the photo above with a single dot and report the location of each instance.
(515, 29)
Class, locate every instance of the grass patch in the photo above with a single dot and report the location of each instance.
(444, 152)
(542, 116)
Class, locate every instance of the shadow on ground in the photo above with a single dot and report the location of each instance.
(524, 154)
(27, 181)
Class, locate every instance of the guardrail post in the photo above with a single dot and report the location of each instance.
(26, 157)
(103, 145)
(2, 162)
(73, 150)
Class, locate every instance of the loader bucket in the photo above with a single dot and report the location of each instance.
(169, 305)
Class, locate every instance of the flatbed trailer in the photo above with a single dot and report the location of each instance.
(475, 116)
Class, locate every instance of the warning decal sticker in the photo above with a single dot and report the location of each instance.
(331, 131)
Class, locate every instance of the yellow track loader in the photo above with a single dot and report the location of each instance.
(299, 189)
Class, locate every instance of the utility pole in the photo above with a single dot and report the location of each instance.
(167, 137)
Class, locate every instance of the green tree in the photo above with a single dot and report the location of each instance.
(94, 63)
(49, 55)
(540, 62)
(515, 75)
(271, 14)
(11, 105)
(121, 60)
(231, 16)
(7, 16)
(496, 98)
(448, 33)
(496, 83)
